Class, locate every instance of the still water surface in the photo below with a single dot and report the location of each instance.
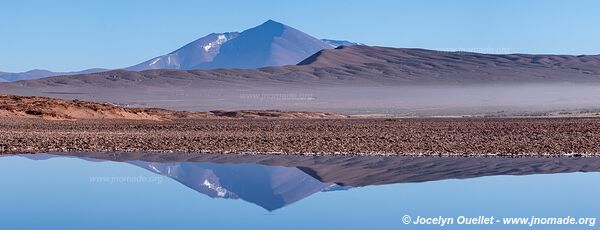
(45, 191)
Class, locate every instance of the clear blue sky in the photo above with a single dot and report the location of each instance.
(66, 35)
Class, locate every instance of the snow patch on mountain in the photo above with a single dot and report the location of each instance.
(336, 43)
(194, 53)
(221, 192)
(217, 43)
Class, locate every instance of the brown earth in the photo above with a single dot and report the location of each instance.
(470, 137)
(57, 109)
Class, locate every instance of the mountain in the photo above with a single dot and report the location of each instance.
(269, 44)
(356, 66)
(200, 51)
(38, 73)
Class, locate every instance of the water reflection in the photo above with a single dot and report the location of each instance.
(363, 171)
(270, 187)
(262, 180)
(54, 191)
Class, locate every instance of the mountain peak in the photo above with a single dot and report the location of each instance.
(272, 22)
(269, 27)
(269, 44)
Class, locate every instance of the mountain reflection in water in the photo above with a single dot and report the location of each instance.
(273, 182)
(270, 187)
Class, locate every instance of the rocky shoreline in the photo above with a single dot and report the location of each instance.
(468, 137)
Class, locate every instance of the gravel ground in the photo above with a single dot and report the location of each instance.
(477, 136)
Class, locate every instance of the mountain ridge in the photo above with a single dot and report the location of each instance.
(363, 65)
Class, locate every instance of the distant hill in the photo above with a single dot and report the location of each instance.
(38, 73)
(358, 66)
